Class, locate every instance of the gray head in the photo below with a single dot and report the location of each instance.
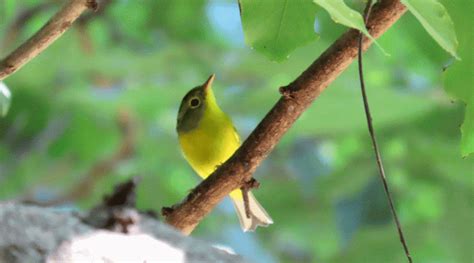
(193, 105)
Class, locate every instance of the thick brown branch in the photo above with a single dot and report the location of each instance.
(55, 27)
(297, 97)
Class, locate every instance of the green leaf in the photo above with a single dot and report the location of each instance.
(467, 130)
(276, 27)
(436, 20)
(458, 77)
(5, 98)
(343, 14)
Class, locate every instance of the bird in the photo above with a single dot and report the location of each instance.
(208, 138)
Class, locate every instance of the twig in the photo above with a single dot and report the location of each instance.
(102, 6)
(20, 21)
(85, 40)
(55, 27)
(83, 24)
(370, 126)
(299, 96)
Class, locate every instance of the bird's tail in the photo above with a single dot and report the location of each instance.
(258, 215)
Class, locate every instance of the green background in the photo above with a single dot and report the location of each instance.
(320, 184)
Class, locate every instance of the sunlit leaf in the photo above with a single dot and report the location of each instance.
(5, 97)
(276, 27)
(436, 20)
(343, 14)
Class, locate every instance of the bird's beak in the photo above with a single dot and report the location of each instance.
(207, 85)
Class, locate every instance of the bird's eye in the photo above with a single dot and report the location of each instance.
(194, 103)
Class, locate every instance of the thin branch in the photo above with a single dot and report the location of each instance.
(297, 97)
(21, 20)
(83, 26)
(55, 27)
(85, 39)
(100, 10)
(370, 126)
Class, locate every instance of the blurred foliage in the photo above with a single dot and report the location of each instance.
(320, 184)
(459, 78)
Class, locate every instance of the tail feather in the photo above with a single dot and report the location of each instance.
(258, 215)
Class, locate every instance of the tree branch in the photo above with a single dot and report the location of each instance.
(21, 20)
(297, 97)
(83, 26)
(55, 27)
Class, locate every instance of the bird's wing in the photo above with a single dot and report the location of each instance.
(236, 134)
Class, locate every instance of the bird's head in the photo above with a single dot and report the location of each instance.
(194, 104)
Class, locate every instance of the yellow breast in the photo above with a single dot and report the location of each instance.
(211, 143)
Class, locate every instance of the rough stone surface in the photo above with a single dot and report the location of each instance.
(38, 234)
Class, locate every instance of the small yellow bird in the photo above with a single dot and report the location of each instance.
(208, 138)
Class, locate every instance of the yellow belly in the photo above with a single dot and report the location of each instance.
(209, 145)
